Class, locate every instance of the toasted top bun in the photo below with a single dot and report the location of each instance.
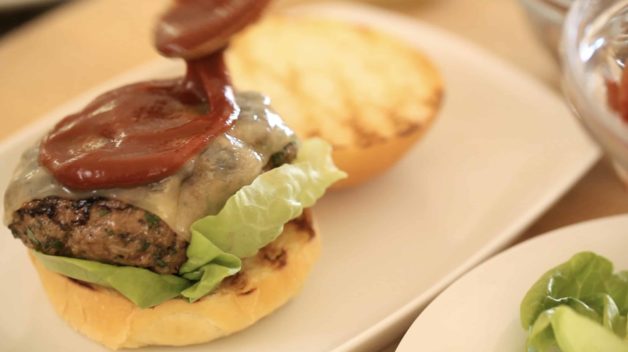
(266, 281)
(370, 95)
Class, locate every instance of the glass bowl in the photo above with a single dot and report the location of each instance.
(594, 53)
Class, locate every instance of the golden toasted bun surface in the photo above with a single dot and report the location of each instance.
(369, 94)
(267, 281)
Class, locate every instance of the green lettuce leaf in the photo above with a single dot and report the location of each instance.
(253, 217)
(207, 266)
(617, 288)
(581, 277)
(577, 300)
(562, 329)
(129, 281)
(256, 214)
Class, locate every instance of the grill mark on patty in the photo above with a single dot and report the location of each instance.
(99, 229)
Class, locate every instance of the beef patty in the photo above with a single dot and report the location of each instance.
(107, 230)
(99, 229)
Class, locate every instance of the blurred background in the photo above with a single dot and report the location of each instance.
(120, 30)
(502, 26)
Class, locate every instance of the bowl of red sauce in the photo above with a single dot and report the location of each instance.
(595, 77)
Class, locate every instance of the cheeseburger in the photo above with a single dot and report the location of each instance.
(172, 212)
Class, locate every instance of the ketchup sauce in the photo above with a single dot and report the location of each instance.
(144, 132)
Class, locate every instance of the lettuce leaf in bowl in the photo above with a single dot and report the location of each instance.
(252, 218)
(564, 329)
(580, 305)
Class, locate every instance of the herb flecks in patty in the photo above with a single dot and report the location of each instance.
(99, 229)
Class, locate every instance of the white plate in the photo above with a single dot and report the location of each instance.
(480, 311)
(503, 149)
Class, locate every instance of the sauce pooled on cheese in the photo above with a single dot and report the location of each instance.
(144, 132)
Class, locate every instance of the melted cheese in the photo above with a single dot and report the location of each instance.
(231, 161)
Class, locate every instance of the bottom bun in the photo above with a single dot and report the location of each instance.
(267, 281)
